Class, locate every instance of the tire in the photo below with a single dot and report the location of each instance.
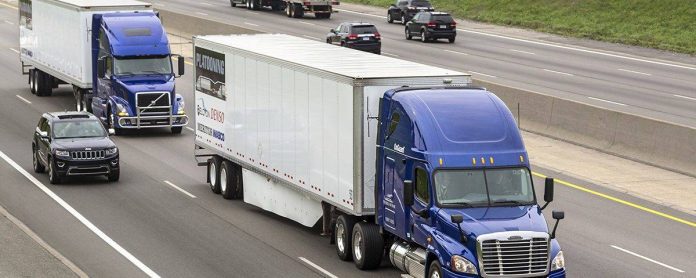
(43, 84)
(87, 103)
(389, 18)
(114, 176)
(233, 4)
(214, 174)
(368, 246)
(36, 162)
(451, 40)
(298, 12)
(110, 122)
(288, 9)
(423, 36)
(408, 34)
(32, 81)
(53, 176)
(226, 183)
(248, 4)
(435, 270)
(343, 236)
(403, 19)
(255, 5)
(79, 102)
(177, 129)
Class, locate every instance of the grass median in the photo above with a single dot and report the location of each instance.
(662, 24)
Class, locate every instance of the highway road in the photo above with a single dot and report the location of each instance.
(651, 88)
(144, 225)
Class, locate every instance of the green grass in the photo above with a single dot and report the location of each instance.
(662, 24)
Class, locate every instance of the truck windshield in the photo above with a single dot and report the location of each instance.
(142, 65)
(484, 187)
(78, 129)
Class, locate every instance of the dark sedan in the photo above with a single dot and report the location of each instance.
(356, 35)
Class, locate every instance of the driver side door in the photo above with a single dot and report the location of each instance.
(422, 202)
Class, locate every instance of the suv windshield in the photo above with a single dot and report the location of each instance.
(143, 65)
(364, 29)
(78, 129)
(420, 3)
(484, 187)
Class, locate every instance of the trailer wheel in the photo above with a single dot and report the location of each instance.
(79, 101)
(368, 246)
(237, 183)
(298, 11)
(290, 9)
(43, 83)
(214, 174)
(435, 270)
(343, 232)
(32, 82)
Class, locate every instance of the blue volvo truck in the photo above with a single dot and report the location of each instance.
(115, 55)
(396, 160)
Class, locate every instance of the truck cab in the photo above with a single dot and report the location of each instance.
(134, 81)
(454, 190)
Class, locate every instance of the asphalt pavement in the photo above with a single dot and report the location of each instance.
(199, 234)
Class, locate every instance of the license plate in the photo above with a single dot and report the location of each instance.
(443, 26)
(366, 38)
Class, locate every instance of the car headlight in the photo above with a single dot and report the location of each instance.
(111, 151)
(62, 153)
(558, 262)
(463, 265)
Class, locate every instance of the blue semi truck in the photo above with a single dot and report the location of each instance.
(115, 54)
(392, 158)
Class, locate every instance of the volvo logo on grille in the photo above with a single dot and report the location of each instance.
(88, 149)
(515, 238)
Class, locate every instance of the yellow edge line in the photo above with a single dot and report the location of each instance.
(6, 5)
(692, 224)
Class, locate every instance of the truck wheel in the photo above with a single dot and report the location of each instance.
(232, 3)
(177, 129)
(43, 83)
(114, 175)
(237, 183)
(368, 246)
(32, 81)
(214, 174)
(53, 176)
(256, 5)
(343, 232)
(298, 11)
(36, 162)
(435, 270)
(226, 181)
(288, 9)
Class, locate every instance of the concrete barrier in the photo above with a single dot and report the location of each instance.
(650, 141)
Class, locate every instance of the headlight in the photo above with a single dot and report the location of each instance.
(111, 151)
(463, 265)
(62, 153)
(122, 111)
(558, 261)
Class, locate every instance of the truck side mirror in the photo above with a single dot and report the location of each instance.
(408, 192)
(558, 215)
(457, 219)
(181, 66)
(101, 68)
(43, 134)
(548, 192)
(111, 131)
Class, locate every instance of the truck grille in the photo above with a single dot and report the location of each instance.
(514, 255)
(156, 103)
(87, 155)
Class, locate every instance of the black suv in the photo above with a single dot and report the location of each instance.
(73, 144)
(360, 36)
(432, 26)
(404, 10)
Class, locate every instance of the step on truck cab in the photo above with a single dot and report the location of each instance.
(115, 54)
(393, 157)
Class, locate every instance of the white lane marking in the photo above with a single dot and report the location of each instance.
(552, 45)
(251, 24)
(43, 244)
(559, 72)
(636, 72)
(9, 22)
(685, 97)
(305, 22)
(255, 13)
(474, 72)
(23, 99)
(647, 259)
(206, 3)
(14, 50)
(315, 266)
(81, 218)
(179, 188)
(520, 51)
(607, 101)
(313, 38)
(203, 14)
(390, 54)
(191, 129)
(455, 52)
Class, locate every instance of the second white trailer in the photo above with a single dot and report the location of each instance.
(293, 120)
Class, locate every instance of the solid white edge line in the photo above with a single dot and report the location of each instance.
(455, 52)
(475, 72)
(647, 259)
(81, 218)
(552, 45)
(23, 99)
(559, 72)
(251, 24)
(14, 50)
(43, 243)
(685, 97)
(315, 266)
(179, 188)
(636, 72)
(520, 51)
(390, 54)
(310, 37)
(608, 101)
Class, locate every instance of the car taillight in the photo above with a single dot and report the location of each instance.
(453, 24)
(307, 3)
(377, 36)
(431, 24)
(353, 37)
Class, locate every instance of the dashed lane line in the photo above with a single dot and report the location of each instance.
(180, 189)
(607, 101)
(647, 259)
(23, 99)
(317, 267)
